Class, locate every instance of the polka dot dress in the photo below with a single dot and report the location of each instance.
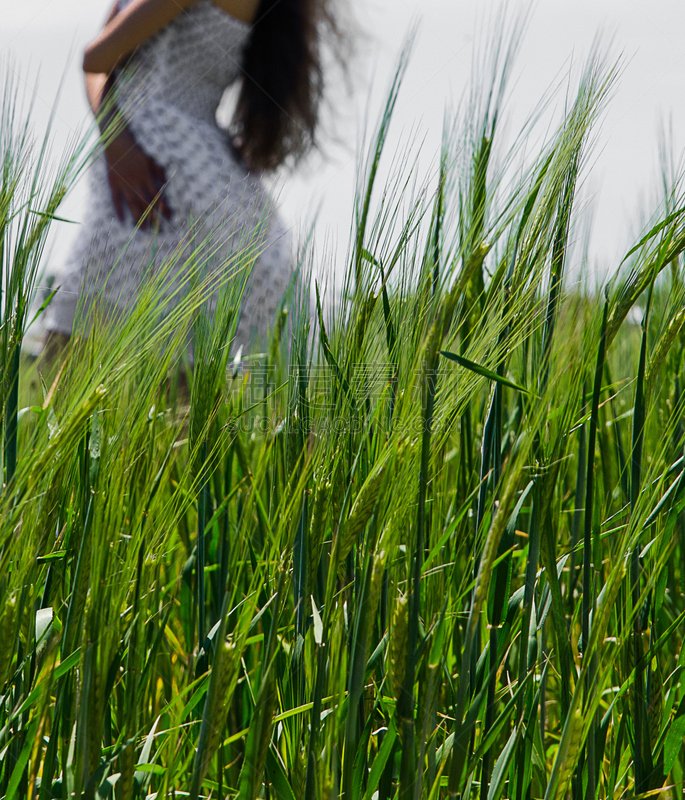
(169, 95)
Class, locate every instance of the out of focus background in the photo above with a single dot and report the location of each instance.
(41, 41)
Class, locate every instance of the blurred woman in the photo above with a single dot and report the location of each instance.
(165, 64)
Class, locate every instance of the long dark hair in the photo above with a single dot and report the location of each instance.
(282, 87)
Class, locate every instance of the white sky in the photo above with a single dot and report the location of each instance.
(49, 36)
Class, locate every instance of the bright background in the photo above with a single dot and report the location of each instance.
(46, 37)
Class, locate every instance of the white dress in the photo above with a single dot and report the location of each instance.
(169, 96)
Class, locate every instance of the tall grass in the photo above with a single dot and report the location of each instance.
(408, 552)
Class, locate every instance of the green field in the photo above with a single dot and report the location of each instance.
(427, 542)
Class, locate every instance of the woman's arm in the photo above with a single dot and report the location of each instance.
(141, 19)
(98, 84)
(135, 179)
(128, 29)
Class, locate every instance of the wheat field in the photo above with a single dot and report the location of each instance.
(426, 542)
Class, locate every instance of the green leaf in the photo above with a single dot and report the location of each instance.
(57, 555)
(380, 761)
(52, 216)
(144, 775)
(674, 487)
(653, 232)
(501, 766)
(277, 777)
(674, 738)
(23, 760)
(44, 305)
(68, 663)
(328, 353)
(318, 625)
(484, 371)
(43, 622)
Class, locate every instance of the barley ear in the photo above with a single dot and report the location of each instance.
(398, 643)
(6, 631)
(361, 510)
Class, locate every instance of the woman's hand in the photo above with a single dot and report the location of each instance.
(136, 181)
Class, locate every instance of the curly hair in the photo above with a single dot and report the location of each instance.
(278, 106)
